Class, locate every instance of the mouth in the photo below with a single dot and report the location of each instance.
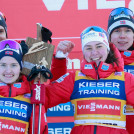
(122, 42)
(8, 75)
(95, 59)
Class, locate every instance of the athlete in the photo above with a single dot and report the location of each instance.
(121, 34)
(99, 91)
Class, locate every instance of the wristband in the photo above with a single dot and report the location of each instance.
(60, 54)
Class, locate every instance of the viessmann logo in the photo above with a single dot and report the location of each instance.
(12, 127)
(109, 107)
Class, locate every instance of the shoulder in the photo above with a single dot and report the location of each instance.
(128, 76)
(129, 81)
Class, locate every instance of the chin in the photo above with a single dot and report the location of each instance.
(122, 49)
(8, 81)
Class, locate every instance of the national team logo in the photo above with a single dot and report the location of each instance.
(122, 22)
(28, 95)
(101, 34)
(118, 73)
(81, 74)
(88, 66)
(8, 52)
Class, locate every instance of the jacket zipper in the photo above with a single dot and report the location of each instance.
(9, 91)
(95, 129)
(96, 69)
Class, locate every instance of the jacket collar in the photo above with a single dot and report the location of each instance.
(18, 88)
(128, 56)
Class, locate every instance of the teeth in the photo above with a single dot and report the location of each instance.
(95, 59)
(122, 42)
(8, 75)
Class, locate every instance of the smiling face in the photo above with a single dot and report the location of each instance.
(9, 70)
(122, 38)
(95, 51)
(2, 33)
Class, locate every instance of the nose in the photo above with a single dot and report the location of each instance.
(94, 52)
(8, 69)
(122, 34)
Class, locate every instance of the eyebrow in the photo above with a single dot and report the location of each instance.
(6, 63)
(99, 43)
(95, 44)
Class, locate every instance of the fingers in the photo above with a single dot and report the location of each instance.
(65, 46)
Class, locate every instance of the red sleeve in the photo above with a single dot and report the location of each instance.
(60, 91)
(58, 67)
(129, 88)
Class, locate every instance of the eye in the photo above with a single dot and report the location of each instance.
(99, 46)
(128, 30)
(116, 30)
(2, 64)
(1, 30)
(88, 48)
(14, 65)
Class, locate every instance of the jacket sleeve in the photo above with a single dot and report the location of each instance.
(60, 91)
(129, 88)
(58, 67)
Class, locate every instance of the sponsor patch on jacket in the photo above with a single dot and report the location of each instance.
(81, 74)
(11, 126)
(18, 85)
(3, 84)
(28, 95)
(118, 73)
(128, 54)
(88, 66)
(108, 107)
(62, 78)
(105, 67)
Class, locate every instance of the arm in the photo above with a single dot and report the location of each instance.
(60, 90)
(59, 67)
